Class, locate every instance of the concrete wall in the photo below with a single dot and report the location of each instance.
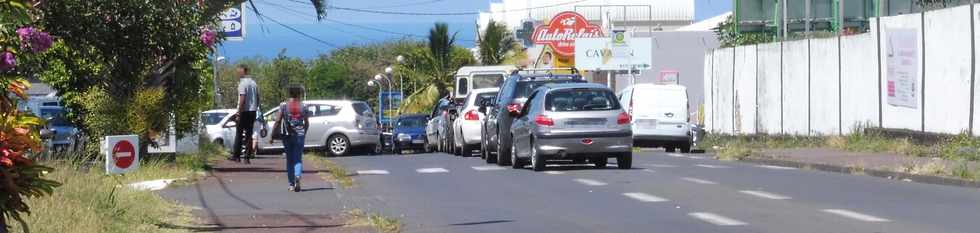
(832, 85)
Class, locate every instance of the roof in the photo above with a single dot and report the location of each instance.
(660, 86)
(574, 85)
(220, 111)
(330, 101)
(708, 24)
(485, 90)
(466, 70)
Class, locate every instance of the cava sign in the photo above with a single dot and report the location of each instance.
(562, 31)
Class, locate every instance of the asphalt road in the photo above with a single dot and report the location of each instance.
(665, 192)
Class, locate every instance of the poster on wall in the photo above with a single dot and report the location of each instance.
(903, 67)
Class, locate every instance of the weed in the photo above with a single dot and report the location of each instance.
(337, 173)
(962, 170)
(380, 223)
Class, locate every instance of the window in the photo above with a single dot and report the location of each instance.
(411, 122)
(487, 80)
(362, 109)
(325, 110)
(525, 88)
(461, 86)
(213, 118)
(581, 99)
(489, 96)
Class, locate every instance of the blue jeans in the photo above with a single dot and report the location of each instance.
(294, 157)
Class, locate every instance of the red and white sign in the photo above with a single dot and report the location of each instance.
(562, 31)
(121, 155)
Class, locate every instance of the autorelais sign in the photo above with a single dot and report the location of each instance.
(562, 31)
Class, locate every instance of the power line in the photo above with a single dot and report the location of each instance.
(308, 15)
(406, 4)
(442, 13)
(299, 32)
(386, 31)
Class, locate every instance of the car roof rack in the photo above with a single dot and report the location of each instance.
(543, 70)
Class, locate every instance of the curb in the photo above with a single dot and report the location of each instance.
(892, 175)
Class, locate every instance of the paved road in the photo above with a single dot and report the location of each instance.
(665, 192)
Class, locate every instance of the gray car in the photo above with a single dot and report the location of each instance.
(571, 122)
(339, 126)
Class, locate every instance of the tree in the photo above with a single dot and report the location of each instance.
(329, 79)
(496, 43)
(275, 77)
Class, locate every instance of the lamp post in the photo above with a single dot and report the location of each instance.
(217, 92)
(371, 83)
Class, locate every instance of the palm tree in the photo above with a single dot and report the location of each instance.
(495, 43)
(441, 44)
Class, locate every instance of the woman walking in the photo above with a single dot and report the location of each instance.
(293, 121)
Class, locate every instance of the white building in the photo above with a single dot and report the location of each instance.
(654, 15)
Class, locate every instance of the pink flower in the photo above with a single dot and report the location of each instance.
(38, 41)
(7, 61)
(208, 37)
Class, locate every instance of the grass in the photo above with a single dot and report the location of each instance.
(378, 222)
(337, 173)
(89, 201)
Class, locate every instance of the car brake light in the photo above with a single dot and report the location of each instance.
(543, 120)
(513, 107)
(623, 118)
(471, 116)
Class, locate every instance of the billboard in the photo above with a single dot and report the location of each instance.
(388, 104)
(608, 54)
(233, 23)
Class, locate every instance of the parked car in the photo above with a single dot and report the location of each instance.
(65, 135)
(338, 126)
(511, 96)
(410, 133)
(434, 129)
(571, 121)
(660, 116)
(215, 129)
(479, 77)
(466, 129)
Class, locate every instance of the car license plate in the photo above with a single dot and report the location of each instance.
(418, 141)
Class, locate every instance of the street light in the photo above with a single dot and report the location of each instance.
(217, 92)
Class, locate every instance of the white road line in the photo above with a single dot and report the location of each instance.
(694, 157)
(856, 215)
(432, 170)
(645, 197)
(776, 167)
(711, 166)
(649, 170)
(764, 194)
(372, 172)
(699, 181)
(488, 168)
(590, 182)
(553, 172)
(716, 219)
(675, 155)
(660, 165)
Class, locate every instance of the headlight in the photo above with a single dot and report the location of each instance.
(404, 137)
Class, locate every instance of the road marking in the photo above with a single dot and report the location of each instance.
(488, 168)
(649, 170)
(764, 194)
(699, 181)
(856, 215)
(711, 166)
(660, 165)
(675, 155)
(776, 167)
(553, 172)
(372, 172)
(645, 197)
(432, 170)
(716, 219)
(694, 157)
(590, 182)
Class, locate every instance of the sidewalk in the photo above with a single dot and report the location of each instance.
(885, 165)
(237, 197)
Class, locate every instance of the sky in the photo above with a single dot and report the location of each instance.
(267, 38)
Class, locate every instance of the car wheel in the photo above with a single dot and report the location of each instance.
(600, 162)
(686, 148)
(483, 150)
(491, 158)
(338, 145)
(515, 162)
(467, 150)
(625, 160)
(503, 151)
(537, 163)
(670, 149)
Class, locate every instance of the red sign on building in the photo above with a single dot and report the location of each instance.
(562, 31)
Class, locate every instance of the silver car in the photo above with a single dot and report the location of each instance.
(571, 122)
(338, 126)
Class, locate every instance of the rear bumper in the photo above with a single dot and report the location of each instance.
(471, 132)
(660, 140)
(364, 137)
(575, 146)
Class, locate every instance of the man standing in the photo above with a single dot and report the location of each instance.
(248, 104)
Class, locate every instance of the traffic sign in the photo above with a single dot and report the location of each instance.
(121, 154)
(233, 23)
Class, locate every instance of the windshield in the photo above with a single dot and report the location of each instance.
(487, 80)
(524, 89)
(411, 122)
(583, 99)
(213, 118)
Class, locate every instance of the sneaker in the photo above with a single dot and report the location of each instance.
(235, 159)
(291, 188)
(297, 188)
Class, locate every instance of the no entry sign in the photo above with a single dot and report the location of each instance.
(121, 155)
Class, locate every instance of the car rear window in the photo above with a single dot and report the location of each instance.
(412, 122)
(484, 97)
(524, 89)
(487, 80)
(362, 109)
(581, 99)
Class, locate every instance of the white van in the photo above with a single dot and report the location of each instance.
(660, 116)
(479, 77)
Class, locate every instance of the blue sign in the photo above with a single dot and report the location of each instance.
(388, 103)
(233, 23)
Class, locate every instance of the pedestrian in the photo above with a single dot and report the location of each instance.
(292, 122)
(248, 105)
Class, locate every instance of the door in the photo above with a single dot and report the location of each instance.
(523, 125)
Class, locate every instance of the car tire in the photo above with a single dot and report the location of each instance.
(338, 145)
(483, 150)
(670, 149)
(686, 148)
(537, 162)
(491, 158)
(467, 150)
(515, 162)
(625, 160)
(600, 162)
(503, 151)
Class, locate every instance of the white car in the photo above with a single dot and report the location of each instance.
(214, 126)
(660, 116)
(466, 128)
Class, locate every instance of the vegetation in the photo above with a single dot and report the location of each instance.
(729, 36)
(337, 173)
(496, 44)
(380, 223)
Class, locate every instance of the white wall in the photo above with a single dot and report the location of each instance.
(859, 79)
(895, 116)
(824, 86)
(724, 60)
(795, 86)
(770, 93)
(745, 91)
(947, 89)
